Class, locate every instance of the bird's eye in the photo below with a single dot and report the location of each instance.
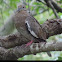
(23, 7)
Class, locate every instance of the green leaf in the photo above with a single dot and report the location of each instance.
(59, 58)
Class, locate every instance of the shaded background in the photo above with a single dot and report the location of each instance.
(41, 12)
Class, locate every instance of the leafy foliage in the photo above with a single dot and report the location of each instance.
(59, 58)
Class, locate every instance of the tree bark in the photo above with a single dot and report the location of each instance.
(20, 51)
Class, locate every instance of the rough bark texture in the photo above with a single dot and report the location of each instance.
(52, 27)
(20, 51)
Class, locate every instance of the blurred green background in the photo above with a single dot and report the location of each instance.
(41, 12)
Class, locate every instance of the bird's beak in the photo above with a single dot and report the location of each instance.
(19, 9)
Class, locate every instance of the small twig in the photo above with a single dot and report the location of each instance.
(41, 2)
(28, 6)
(34, 14)
(8, 5)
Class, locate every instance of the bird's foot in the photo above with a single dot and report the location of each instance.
(29, 43)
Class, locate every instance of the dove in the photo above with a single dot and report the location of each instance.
(25, 21)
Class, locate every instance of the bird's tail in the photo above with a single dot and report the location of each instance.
(49, 54)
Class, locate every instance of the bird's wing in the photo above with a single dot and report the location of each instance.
(34, 27)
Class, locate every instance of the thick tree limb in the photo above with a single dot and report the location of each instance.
(50, 28)
(20, 51)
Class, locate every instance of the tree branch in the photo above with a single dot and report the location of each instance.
(54, 4)
(52, 7)
(20, 51)
(50, 28)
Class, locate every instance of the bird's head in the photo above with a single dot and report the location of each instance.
(21, 7)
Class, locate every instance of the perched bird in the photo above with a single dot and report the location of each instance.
(25, 21)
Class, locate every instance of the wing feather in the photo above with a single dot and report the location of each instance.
(31, 31)
(35, 28)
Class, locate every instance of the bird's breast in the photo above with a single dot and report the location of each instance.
(20, 21)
